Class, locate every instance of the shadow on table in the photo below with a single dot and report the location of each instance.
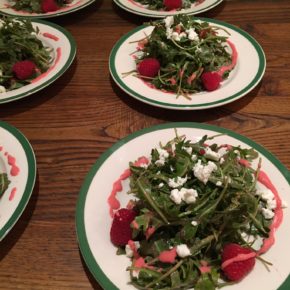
(138, 19)
(95, 285)
(40, 97)
(185, 115)
(18, 229)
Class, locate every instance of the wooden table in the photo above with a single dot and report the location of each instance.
(82, 114)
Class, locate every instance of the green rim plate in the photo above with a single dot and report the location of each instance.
(233, 89)
(25, 195)
(133, 8)
(70, 52)
(86, 251)
(11, 12)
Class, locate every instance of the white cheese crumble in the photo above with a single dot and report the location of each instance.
(187, 149)
(183, 251)
(144, 165)
(211, 154)
(192, 35)
(203, 172)
(219, 183)
(160, 184)
(2, 89)
(193, 157)
(188, 195)
(194, 223)
(163, 154)
(129, 251)
(177, 181)
(267, 213)
(222, 151)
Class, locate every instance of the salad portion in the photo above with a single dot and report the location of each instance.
(23, 56)
(39, 6)
(4, 182)
(168, 4)
(200, 215)
(184, 56)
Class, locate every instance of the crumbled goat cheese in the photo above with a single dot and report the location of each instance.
(183, 251)
(203, 172)
(187, 149)
(193, 157)
(191, 34)
(160, 184)
(129, 251)
(144, 165)
(169, 20)
(177, 181)
(267, 213)
(211, 154)
(194, 223)
(222, 151)
(2, 89)
(219, 183)
(175, 196)
(188, 195)
(163, 154)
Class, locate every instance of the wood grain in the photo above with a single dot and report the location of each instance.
(83, 113)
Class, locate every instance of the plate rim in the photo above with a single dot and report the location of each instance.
(84, 247)
(30, 182)
(72, 54)
(250, 86)
(40, 16)
(152, 14)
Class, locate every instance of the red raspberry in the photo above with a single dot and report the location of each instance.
(49, 6)
(211, 80)
(24, 69)
(172, 4)
(237, 270)
(121, 231)
(148, 67)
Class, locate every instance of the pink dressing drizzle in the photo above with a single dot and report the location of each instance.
(229, 67)
(12, 193)
(204, 268)
(168, 256)
(238, 258)
(58, 56)
(51, 36)
(12, 162)
(117, 185)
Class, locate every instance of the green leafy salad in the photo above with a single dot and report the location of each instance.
(4, 182)
(184, 56)
(192, 199)
(162, 5)
(38, 6)
(22, 55)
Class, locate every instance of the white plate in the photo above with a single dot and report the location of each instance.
(5, 8)
(93, 219)
(15, 198)
(245, 76)
(137, 8)
(63, 52)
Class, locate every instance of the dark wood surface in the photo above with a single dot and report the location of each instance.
(83, 113)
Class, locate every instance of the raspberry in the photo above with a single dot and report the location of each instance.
(148, 67)
(211, 80)
(237, 270)
(121, 231)
(24, 69)
(172, 4)
(49, 6)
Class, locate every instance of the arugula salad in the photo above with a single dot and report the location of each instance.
(167, 5)
(39, 6)
(4, 182)
(193, 207)
(22, 55)
(184, 56)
